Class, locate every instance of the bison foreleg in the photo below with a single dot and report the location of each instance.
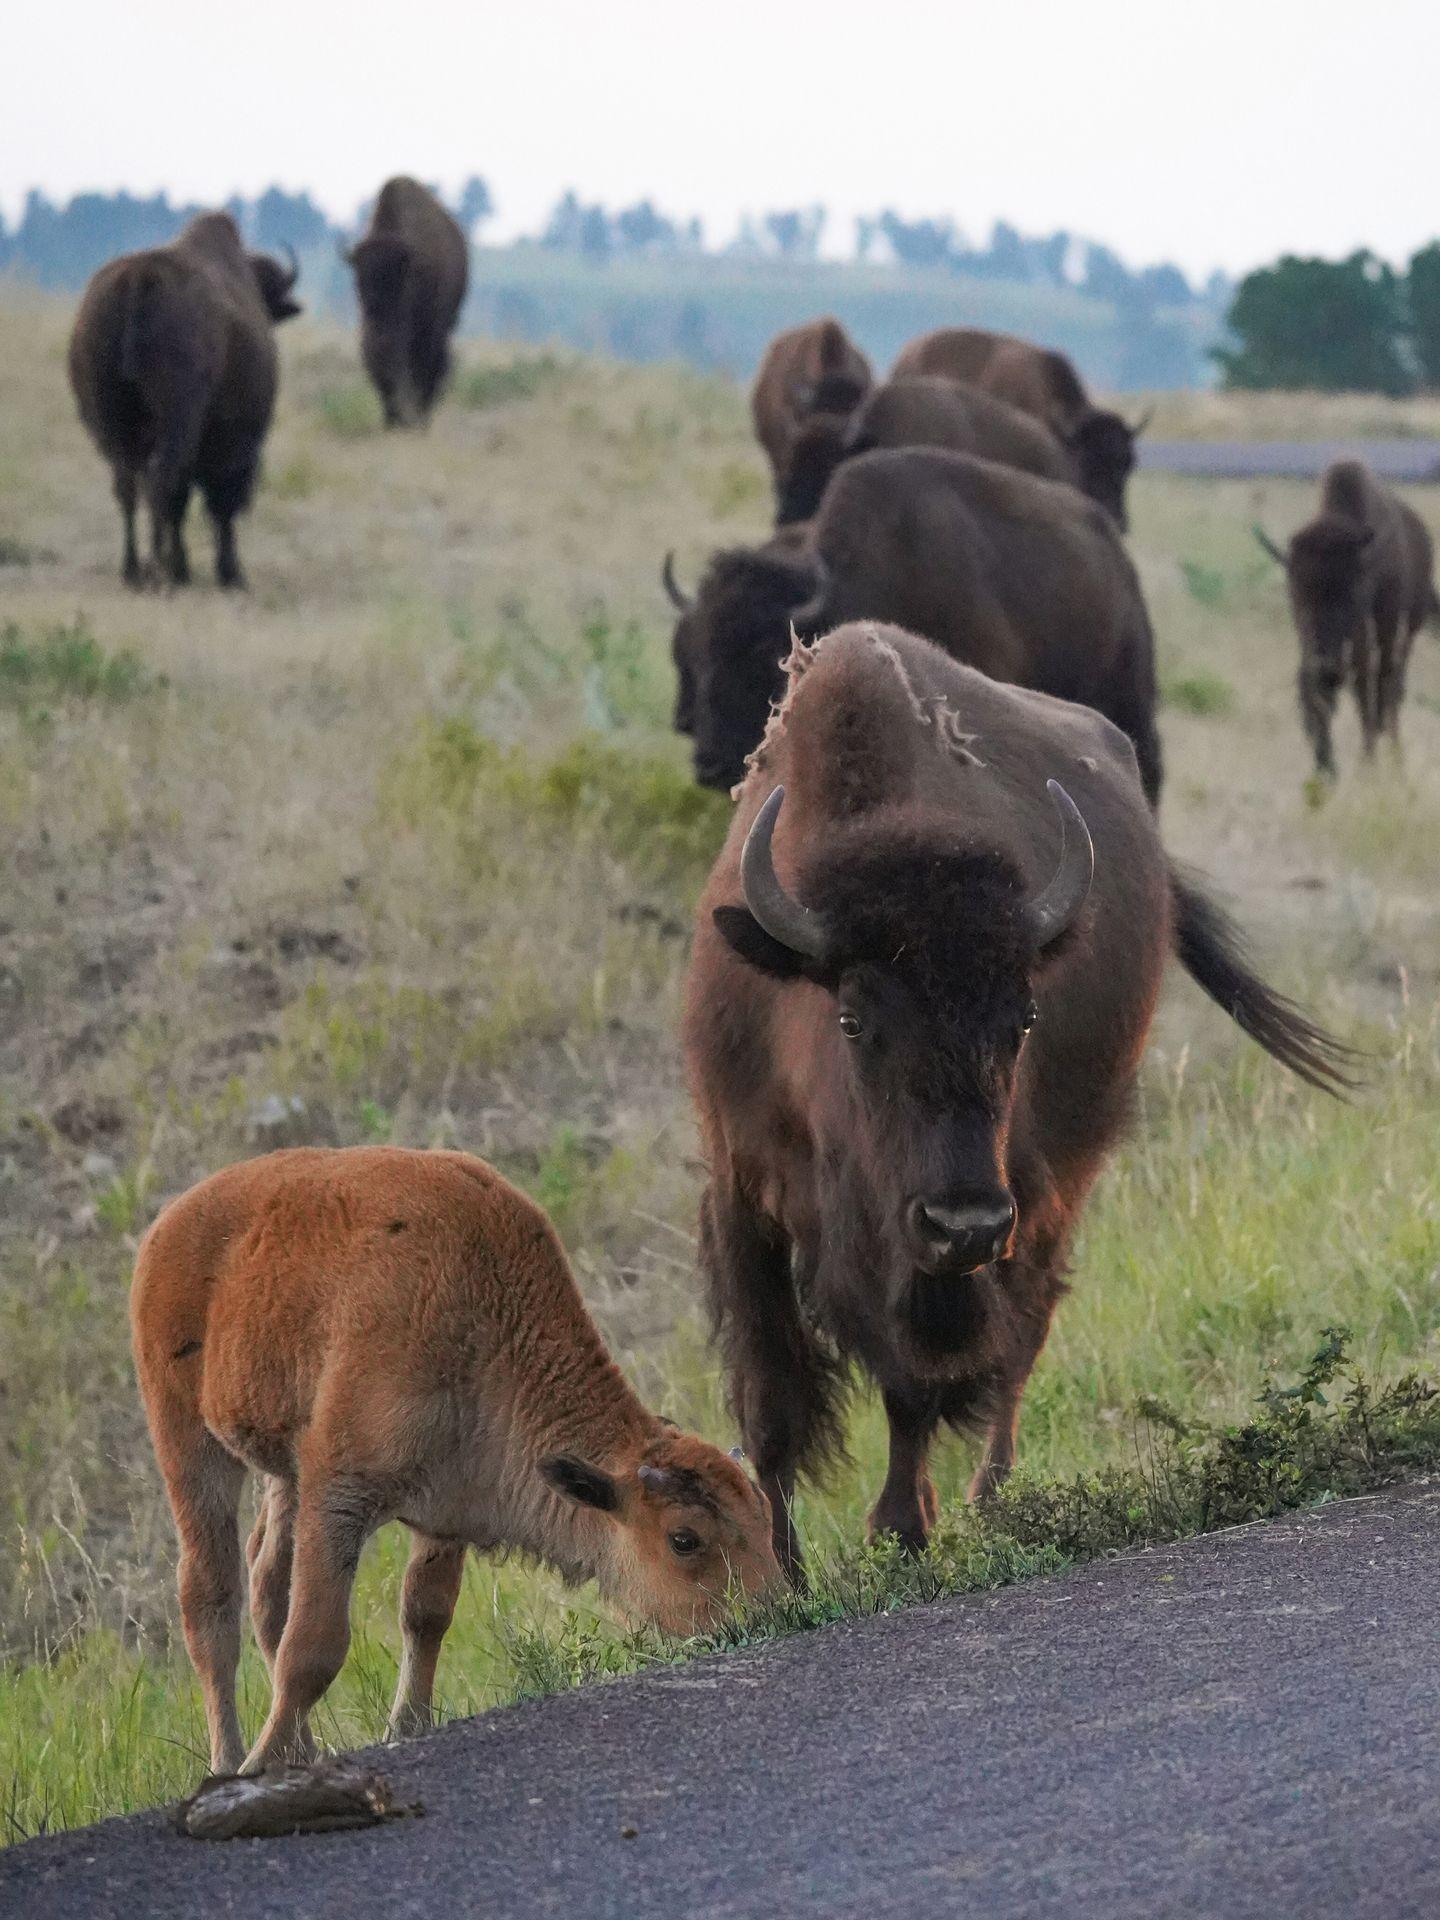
(1318, 687)
(1038, 1293)
(908, 1506)
(783, 1387)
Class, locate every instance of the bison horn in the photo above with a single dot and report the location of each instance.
(679, 599)
(1054, 908)
(810, 614)
(779, 913)
(1143, 422)
(1270, 547)
(657, 1479)
(294, 266)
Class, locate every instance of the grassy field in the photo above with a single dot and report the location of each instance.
(399, 847)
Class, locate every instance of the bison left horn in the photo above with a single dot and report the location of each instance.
(679, 599)
(778, 912)
(1054, 908)
(294, 266)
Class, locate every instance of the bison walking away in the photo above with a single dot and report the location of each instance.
(814, 369)
(1022, 578)
(173, 365)
(384, 1335)
(917, 999)
(918, 413)
(411, 272)
(1045, 384)
(1361, 585)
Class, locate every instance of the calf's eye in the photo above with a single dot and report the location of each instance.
(684, 1542)
(850, 1026)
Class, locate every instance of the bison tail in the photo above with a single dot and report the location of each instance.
(1211, 949)
(135, 329)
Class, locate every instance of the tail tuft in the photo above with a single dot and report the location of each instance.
(1211, 949)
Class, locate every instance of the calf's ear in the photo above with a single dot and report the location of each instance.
(577, 1480)
(744, 935)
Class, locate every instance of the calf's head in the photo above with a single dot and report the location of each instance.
(927, 953)
(688, 1530)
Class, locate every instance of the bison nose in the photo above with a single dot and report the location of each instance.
(959, 1237)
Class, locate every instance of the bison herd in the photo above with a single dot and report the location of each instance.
(922, 977)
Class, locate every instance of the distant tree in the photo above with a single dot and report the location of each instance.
(1423, 299)
(918, 243)
(474, 205)
(595, 236)
(1331, 325)
(640, 229)
(1166, 286)
(795, 233)
(281, 219)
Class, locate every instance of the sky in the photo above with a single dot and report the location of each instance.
(1217, 134)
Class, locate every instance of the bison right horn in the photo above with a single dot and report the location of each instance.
(679, 599)
(778, 912)
(1054, 908)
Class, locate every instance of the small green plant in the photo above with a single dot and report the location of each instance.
(296, 480)
(350, 413)
(518, 379)
(1207, 695)
(1206, 584)
(66, 662)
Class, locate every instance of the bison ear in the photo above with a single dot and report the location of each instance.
(577, 1480)
(744, 935)
(287, 310)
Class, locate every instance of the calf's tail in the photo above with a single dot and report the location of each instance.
(1211, 949)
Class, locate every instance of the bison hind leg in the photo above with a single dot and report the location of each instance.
(227, 495)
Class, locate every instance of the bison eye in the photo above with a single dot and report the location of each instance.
(1029, 1017)
(684, 1542)
(850, 1026)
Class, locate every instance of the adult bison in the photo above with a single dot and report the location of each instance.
(786, 542)
(1040, 382)
(173, 365)
(411, 271)
(814, 369)
(1361, 584)
(915, 1007)
(922, 412)
(1020, 577)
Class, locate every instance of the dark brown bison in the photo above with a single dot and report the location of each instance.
(918, 413)
(173, 365)
(411, 271)
(915, 1008)
(1045, 384)
(1024, 579)
(1361, 584)
(785, 542)
(807, 370)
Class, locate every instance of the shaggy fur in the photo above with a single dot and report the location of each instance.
(392, 1335)
(815, 368)
(173, 367)
(411, 273)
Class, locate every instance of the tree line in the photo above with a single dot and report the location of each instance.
(1340, 326)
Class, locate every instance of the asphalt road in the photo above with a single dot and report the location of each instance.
(1399, 459)
(1242, 1725)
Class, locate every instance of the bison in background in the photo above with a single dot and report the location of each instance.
(173, 365)
(411, 272)
(916, 1004)
(1361, 585)
(1042, 383)
(814, 369)
(918, 413)
(1020, 577)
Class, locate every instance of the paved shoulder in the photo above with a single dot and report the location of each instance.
(1242, 1725)
(1403, 460)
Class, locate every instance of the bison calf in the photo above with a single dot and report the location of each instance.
(1361, 584)
(173, 366)
(808, 370)
(391, 1335)
(411, 271)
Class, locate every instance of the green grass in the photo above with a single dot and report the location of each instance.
(65, 662)
(498, 385)
(1205, 694)
(350, 412)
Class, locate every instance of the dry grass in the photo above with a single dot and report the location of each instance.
(398, 846)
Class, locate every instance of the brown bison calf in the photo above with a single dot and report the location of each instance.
(411, 271)
(1361, 584)
(392, 1335)
(1040, 382)
(918, 413)
(814, 369)
(173, 366)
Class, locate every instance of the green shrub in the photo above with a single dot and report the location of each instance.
(66, 662)
(1206, 694)
(350, 413)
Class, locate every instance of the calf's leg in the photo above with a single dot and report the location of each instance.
(271, 1554)
(427, 1606)
(204, 1483)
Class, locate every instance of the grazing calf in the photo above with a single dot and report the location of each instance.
(918, 413)
(1361, 584)
(918, 995)
(1040, 382)
(813, 369)
(173, 366)
(392, 1335)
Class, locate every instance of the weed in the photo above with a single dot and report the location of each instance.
(350, 412)
(1206, 584)
(518, 379)
(1205, 694)
(65, 662)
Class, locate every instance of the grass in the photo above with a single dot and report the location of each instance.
(399, 846)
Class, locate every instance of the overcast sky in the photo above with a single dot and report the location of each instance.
(1212, 134)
